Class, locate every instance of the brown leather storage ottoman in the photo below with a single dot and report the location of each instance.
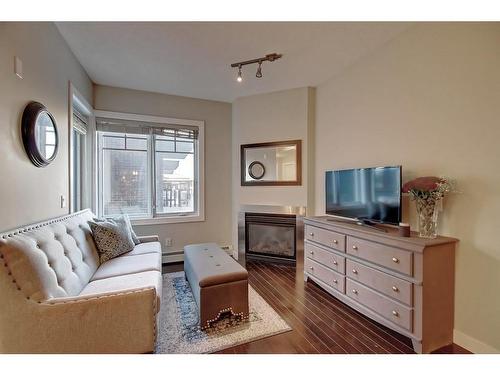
(218, 282)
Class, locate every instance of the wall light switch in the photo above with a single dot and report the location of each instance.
(63, 201)
(18, 67)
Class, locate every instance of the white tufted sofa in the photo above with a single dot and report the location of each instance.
(56, 298)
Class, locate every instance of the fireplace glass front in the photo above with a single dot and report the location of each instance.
(272, 235)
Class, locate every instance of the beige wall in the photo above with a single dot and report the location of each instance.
(217, 117)
(430, 100)
(29, 194)
(276, 116)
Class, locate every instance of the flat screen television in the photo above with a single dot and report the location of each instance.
(365, 194)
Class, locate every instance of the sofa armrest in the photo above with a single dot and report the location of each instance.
(120, 322)
(153, 238)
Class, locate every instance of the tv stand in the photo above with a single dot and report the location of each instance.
(404, 283)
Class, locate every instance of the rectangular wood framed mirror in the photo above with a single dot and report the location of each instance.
(271, 163)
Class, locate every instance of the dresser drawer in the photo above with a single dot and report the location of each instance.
(325, 257)
(387, 256)
(391, 286)
(384, 306)
(325, 237)
(328, 276)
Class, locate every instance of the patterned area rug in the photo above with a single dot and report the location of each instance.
(179, 332)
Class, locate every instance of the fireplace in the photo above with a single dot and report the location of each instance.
(270, 232)
(272, 235)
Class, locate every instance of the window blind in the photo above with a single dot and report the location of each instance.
(134, 127)
(80, 122)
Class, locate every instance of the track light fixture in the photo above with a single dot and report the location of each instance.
(259, 70)
(270, 57)
(239, 78)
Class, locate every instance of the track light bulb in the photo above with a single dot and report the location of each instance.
(259, 70)
(239, 78)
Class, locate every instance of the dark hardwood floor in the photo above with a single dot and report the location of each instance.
(320, 323)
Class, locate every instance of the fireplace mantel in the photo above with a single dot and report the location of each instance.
(270, 209)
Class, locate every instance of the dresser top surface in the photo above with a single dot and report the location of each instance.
(391, 233)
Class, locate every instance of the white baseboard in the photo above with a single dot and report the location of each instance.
(472, 344)
(172, 258)
(178, 256)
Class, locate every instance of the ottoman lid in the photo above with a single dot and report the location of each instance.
(212, 265)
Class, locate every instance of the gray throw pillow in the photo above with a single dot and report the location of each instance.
(125, 220)
(122, 220)
(111, 239)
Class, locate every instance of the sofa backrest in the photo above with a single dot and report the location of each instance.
(55, 258)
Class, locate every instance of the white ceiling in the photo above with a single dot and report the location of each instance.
(192, 59)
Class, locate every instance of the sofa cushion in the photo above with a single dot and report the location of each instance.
(112, 239)
(145, 248)
(125, 282)
(125, 265)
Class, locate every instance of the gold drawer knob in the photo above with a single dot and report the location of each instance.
(311, 268)
(335, 262)
(395, 288)
(335, 281)
(355, 272)
(355, 291)
(354, 247)
(395, 313)
(395, 260)
(335, 242)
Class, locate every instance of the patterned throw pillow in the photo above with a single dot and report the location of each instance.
(111, 239)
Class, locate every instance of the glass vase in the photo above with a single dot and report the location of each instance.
(427, 210)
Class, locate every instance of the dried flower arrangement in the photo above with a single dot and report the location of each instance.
(427, 192)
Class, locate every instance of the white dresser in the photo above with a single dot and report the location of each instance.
(404, 283)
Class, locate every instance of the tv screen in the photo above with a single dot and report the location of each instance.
(369, 194)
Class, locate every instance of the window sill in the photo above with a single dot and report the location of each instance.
(168, 220)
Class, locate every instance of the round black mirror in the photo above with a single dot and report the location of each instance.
(256, 170)
(39, 132)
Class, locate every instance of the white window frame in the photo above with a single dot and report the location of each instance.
(199, 184)
(76, 99)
